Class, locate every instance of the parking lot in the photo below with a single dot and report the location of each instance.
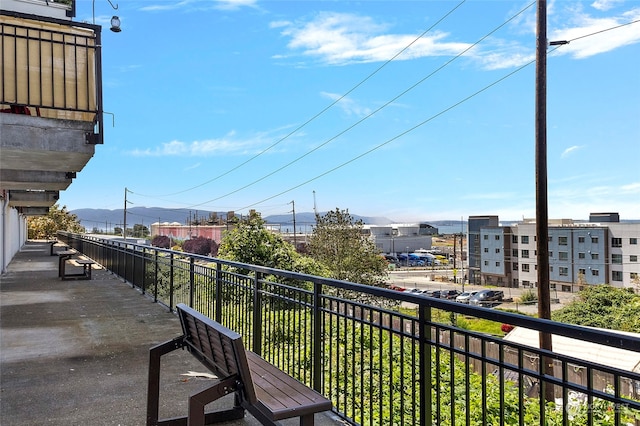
(424, 280)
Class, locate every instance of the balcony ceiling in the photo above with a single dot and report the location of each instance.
(41, 155)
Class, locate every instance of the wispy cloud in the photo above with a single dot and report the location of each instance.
(632, 188)
(197, 4)
(348, 105)
(569, 151)
(342, 38)
(590, 35)
(226, 145)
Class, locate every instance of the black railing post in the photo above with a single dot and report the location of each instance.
(257, 314)
(217, 309)
(316, 338)
(144, 270)
(192, 281)
(425, 402)
(156, 277)
(171, 283)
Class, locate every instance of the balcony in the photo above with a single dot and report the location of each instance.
(386, 357)
(51, 102)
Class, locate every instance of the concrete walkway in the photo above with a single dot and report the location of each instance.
(76, 352)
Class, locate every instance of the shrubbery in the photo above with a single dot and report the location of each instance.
(201, 245)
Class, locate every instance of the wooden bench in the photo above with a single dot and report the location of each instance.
(56, 243)
(266, 392)
(67, 255)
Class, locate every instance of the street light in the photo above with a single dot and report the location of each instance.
(115, 21)
(115, 24)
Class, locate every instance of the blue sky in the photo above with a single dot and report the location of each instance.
(410, 110)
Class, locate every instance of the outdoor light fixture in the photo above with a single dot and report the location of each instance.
(115, 24)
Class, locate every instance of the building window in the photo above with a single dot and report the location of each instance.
(525, 267)
(514, 239)
(616, 275)
(515, 266)
(486, 263)
(580, 255)
(550, 238)
(595, 256)
(485, 236)
(514, 252)
(550, 268)
(582, 271)
(594, 240)
(550, 254)
(497, 237)
(515, 282)
(633, 241)
(595, 272)
(486, 249)
(563, 255)
(497, 263)
(616, 242)
(562, 241)
(497, 250)
(581, 239)
(525, 254)
(633, 276)
(524, 239)
(564, 272)
(616, 258)
(633, 258)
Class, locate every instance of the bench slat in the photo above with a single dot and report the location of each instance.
(282, 395)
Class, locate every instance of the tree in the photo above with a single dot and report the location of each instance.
(140, 230)
(339, 243)
(250, 242)
(161, 241)
(201, 245)
(603, 306)
(57, 219)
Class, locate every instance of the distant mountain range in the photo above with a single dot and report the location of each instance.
(104, 218)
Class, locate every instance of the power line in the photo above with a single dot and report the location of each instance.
(395, 137)
(432, 117)
(314, 117)
(386, 104)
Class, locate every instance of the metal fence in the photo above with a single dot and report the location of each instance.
(388, 357)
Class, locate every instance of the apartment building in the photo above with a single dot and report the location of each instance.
(580, 253)
(50, 109)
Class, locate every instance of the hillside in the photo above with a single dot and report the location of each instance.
(101, 218)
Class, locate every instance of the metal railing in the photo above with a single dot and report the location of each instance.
(388, 357)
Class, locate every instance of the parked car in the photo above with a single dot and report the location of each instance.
(432, 293)
(465, 296)
(449, 294)
(486, 297)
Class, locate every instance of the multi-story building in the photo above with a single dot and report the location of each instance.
(580, 253)
(474, 249)
(51, 108)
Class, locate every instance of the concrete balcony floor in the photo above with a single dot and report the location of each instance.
(76, 352)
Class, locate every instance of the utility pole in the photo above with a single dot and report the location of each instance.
(542, 215)
(295, 243)
(315, 210)
(124, 226)
(461, 261)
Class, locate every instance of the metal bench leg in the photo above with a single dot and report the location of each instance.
(199, 400)
(307, 420)
(153, 387)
